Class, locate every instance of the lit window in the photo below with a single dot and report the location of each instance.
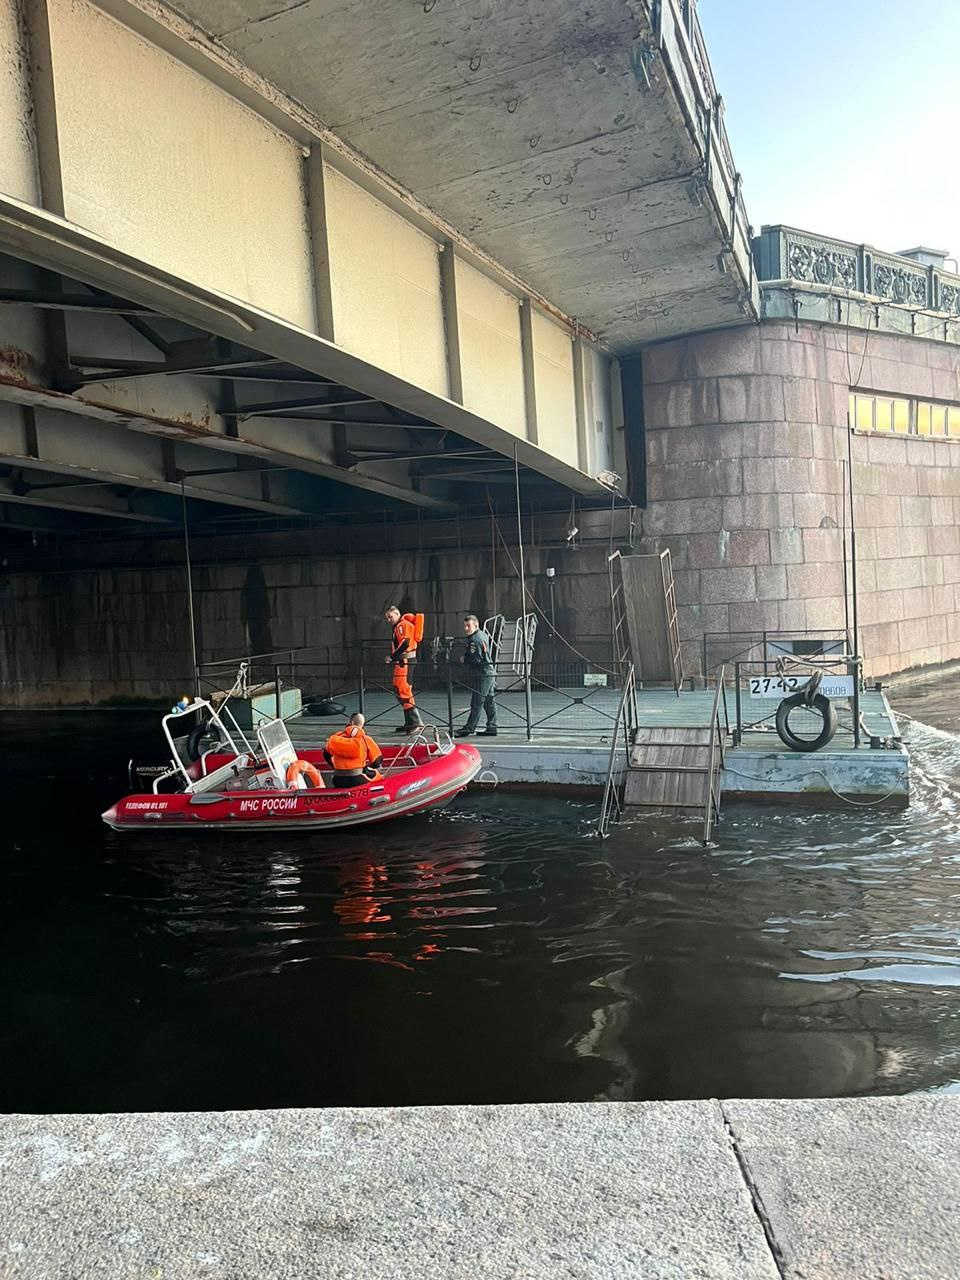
(938, 419)
(923, 419)
(884, 412)
(864, 413)
(901, 416)
(953, 422)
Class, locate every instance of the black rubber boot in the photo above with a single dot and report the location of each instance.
(465, 732)
(411, 721)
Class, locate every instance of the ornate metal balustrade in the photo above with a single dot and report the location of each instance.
(783, 253)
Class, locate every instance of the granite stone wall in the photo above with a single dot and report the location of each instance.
(746, 449)
(77, 636)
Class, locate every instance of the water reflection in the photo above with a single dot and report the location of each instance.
(492, 952)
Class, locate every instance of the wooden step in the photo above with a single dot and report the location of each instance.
(669, 768)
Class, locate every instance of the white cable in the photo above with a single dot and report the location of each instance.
(818, 773)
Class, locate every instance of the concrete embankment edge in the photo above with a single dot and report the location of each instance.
(735, 1190)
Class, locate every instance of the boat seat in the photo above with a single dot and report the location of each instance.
(218, 777)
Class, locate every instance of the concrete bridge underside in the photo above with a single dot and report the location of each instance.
(311, 256)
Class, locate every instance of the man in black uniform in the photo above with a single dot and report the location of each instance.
(482, 673)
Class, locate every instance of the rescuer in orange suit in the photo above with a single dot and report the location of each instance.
(353, 755)
(407, 632)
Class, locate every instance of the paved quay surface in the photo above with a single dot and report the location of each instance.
(707, 1190)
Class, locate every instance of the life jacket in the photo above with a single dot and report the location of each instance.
(409, 628)
(351, 749)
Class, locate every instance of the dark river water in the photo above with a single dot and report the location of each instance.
(494, 952)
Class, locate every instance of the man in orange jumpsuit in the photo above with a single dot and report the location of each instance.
(402, 656)
(353, 755)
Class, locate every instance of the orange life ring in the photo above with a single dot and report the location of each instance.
(309, 771)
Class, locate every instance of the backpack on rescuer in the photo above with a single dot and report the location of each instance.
(416, 619)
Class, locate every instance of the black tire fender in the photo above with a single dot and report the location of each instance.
(194, 739)
(820, 704)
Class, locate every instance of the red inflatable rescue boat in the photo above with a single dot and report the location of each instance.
(235, 784)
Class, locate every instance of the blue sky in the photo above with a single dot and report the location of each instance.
(844, 117)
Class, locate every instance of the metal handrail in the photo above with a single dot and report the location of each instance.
(711, 812)
(627, 723)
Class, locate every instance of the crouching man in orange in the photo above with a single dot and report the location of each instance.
(407, 634)
(353, 755)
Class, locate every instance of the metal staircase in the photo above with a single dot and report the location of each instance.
(678, 768)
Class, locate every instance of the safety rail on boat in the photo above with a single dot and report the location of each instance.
(219, 717)
(441, 745)
(719, 731)
(611, 807)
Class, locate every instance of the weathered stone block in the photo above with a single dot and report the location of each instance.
(894, 542)
(898, 572)
(694, 480)
(880, 638)
(943, 384)
(915, 511)
(922, 453)
(869, 479)
(944, 540)
(800, 401)
(722, 586)
(812, 510)
(937, 629)
(828, 476)
(725, 352)
(786, 546)
(786, 357)
(889, 451)
(866, 575)
(825, 613)
(771, 582)
(681, 404)
(682, 444)
(808, 581)
(740, 441)
(931, 481)
(755, 615)
(687, 586)
(751, 398)
(882, 606)
(878, 512)
(745, 548)
(913, 634)
(793, 615)
(940, 356)
(687, 516)
(758, 511)
(900, 378)
(695, 619)
(760, 475)
(822, 545)
(666, 362)
(794, 475)
(786, 440)
(828, 442)
(704, 550)
(941, 511)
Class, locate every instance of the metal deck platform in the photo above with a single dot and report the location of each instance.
(570, 743)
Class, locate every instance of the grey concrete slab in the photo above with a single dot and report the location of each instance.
(649, 1190)
(857, 1189)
